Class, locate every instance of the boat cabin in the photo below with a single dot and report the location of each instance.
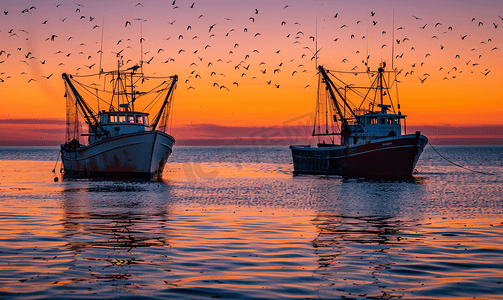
(375, 125)
(121, 122)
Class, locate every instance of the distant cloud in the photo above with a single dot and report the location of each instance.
(51, 132)
(33, 121)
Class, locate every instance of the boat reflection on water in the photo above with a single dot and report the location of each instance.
(358, 255)
(365, 236)
(113, 228)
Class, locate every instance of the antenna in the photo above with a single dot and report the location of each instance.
(141, 45)
(393, 42)
(316, 45)
(367, 59)
(101, 47)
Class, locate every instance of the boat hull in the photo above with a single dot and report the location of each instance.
(387, 158)
(135, 155)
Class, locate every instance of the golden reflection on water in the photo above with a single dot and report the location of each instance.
(185, 236)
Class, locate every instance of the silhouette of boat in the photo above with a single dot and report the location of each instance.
(120, 142)
(364, 141)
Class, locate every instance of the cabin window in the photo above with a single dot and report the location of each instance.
(122, 118)
(372, 120)
(145, 120)
(130, 119)
(139, 119)
(113, 118)
(390, 121)
(383, 121)
(397, 121)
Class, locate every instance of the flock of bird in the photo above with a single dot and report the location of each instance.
(252, 58)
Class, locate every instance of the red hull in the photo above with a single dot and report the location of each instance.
(386, 158)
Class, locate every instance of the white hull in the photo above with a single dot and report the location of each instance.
(141, 154)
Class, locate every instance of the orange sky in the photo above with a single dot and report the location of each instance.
(460, 96)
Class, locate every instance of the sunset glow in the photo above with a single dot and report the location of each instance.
(249, 64)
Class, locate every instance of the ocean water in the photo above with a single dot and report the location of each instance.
(234, 223)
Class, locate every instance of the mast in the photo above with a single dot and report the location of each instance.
(164, 104)
(381, 74)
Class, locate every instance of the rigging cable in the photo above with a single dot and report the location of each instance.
(457, 164)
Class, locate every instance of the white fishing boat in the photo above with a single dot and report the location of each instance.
(120, 141)
(363, 141)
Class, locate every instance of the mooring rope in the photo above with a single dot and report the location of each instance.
(457, 164)
(57, 159)
(54, 170)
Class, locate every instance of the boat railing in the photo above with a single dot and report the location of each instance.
(360, 111)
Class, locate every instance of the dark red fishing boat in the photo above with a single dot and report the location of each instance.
(364, 141)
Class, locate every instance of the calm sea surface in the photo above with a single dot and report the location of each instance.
(233, 223)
